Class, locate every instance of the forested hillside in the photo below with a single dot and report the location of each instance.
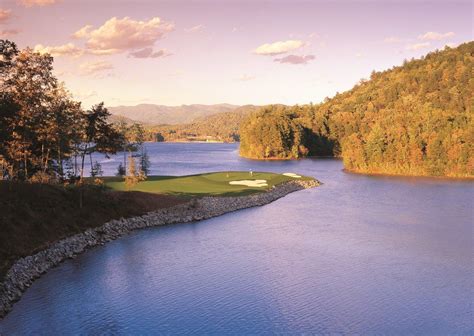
(216, 127)
(414, 119)
(160, 114)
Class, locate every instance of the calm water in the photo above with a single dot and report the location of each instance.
(357, 255)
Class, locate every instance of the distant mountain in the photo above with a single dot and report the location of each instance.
(117, 119)
(222, 126)
(160, 114)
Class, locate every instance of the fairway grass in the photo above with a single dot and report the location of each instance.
(208, 184)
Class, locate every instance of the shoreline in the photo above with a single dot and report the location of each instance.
(370, 174)
(25, 270)
(401, 176)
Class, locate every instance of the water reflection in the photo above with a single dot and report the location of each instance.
(356, 255)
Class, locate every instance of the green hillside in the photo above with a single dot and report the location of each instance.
(161, 114)
(219, 127)
(414, 119)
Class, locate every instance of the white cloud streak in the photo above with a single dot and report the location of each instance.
(278, 48)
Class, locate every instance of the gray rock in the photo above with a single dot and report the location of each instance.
(22, 274)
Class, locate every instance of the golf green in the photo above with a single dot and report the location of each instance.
(208, 184)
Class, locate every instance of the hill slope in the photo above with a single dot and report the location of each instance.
(414, 119)
(161, 114)
(219, 127)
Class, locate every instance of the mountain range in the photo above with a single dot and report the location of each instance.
(152, 114)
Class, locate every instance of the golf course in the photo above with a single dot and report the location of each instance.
(231, 183)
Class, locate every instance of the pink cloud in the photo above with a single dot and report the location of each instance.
(434, 36)
(279, 47)
(95, 67)
(8, 32)
(418, 46)
(122, 35)
(5, 15)
(41, 3)
(68, 49)
(195, 29)
(295, 59)
(83, 32)
(149, 53)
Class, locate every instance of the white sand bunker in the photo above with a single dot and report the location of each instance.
(250, 183)
(292, 175)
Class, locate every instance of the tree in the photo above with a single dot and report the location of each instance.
(132, 178)
(414, 119)
(38, 119)
(99, 136)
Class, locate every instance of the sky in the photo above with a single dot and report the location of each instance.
(129, 52)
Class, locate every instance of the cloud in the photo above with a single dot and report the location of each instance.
(95, 67)
(280, 47)
(8, 32)
(123, 35)
(149, 53)
(245, 78)
(418, 46)
(5, 15)
(41, 3)
(295, 59)
(434, 36)
(392, 39)
(83, 32)
(195, 29)
(68, 49)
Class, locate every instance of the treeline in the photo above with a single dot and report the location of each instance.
(45, 135)
(218, 127)
(275, 131)
(415, 119)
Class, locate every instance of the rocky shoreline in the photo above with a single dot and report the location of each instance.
(22, 274)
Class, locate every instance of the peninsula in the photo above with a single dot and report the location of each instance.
(163, 200)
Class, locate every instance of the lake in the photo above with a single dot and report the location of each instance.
(357, 255)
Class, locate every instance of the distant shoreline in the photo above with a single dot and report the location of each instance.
(192, 141)
(401, 176)
(374, 174)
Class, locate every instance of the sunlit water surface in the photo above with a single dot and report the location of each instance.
(359, 254)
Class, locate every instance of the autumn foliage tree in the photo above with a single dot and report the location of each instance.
(414, 119)
(274, 132)
(41, 126)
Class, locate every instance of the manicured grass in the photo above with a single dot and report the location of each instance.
(37, 215)
(209, 184)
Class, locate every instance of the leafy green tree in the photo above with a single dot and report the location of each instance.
(99, 136)
(414, 119)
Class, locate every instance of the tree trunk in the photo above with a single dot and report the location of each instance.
(83, 156)
(124, 161)
(90, 158)
(75, 162)
(60, 162)
(26, 166)
(45, 167)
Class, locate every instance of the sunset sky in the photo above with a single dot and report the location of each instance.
(239, 52)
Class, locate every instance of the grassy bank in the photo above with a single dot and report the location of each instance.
(36, 215)
(33, 216)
